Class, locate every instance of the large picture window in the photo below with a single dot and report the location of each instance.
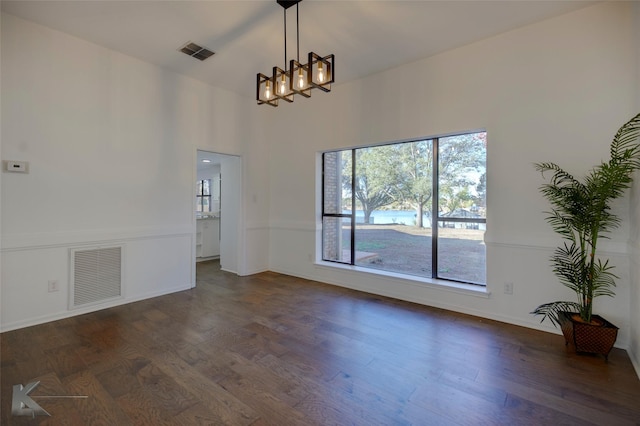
(415, 208)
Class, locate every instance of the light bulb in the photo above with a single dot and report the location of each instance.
(283, 82)
(267, 91)
(320, 72)
(300, 79)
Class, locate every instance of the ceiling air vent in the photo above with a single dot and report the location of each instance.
(196, 51)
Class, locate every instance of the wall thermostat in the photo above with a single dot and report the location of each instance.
(17, 166)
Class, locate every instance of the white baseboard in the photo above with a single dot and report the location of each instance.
(635, 361)
(75, 312)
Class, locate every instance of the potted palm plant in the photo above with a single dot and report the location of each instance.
(581, 214)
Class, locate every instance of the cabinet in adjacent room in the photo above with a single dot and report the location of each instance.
(208, 237)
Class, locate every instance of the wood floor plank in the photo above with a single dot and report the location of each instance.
(447, 402)
(64, 360)
(380, 406)
(271, 349)
(520, 411)
(213, 397)
(306, 383)
(122, 379)
(99, 408)
(143, 409)
(554, 401)
(272, 409)
(323, 409)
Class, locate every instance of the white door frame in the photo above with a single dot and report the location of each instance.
(231, 236)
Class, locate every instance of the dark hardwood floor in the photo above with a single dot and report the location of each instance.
(271, 349)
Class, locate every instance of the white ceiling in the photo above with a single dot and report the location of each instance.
(247, 36)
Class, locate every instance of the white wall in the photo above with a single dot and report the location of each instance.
(634, 240)
(230, 230)
(111, 145)
(553, 91)
(0, 171)
(254, 256)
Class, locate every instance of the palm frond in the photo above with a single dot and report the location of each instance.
(562, 224)
(552, 310)
(603, 279)
(570, 267)
(624, 146)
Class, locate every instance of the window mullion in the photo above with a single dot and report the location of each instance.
(434, 207)
(323, 212)
(353, 207)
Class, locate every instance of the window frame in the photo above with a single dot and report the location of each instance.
(200, 196)
(436, 219)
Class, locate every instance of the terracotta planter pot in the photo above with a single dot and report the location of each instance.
(589, 338)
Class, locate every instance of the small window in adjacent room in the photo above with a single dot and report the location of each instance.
(415, 208)
(203, 197)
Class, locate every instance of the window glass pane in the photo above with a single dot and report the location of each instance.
(376, 180)
(462, 176)
(413, 186)
(337, 182)
(336, 239)
(199, 189)
(206, 187)
(461, 251)
(206, 204)
(394, 247)
(393, 198)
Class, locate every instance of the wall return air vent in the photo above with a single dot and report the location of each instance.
(96, 276)
(196, 51)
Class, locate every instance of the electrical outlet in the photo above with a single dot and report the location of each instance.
(508, 288)
(53, 286)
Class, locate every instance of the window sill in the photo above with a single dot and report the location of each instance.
(436, 284)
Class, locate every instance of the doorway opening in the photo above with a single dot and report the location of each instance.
(217, 210)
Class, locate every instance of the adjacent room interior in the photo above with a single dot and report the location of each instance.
(245, 263)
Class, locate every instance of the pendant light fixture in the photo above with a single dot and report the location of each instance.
(283, 84)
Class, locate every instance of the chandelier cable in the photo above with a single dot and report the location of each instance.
(285, 39)
(298, 32)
